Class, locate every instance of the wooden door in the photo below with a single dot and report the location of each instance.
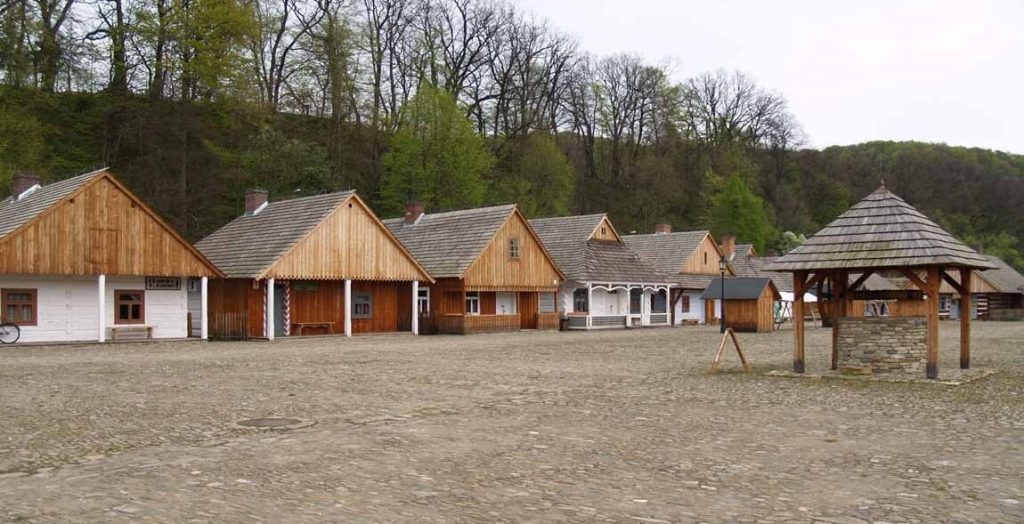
(709, 312)
(528, 307)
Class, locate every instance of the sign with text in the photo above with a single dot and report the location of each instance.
(163, 283)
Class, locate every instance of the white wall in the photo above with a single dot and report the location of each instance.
(505, 303)
(696, 308)
(68, 307)
(606, 303)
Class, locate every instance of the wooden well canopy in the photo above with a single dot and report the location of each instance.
(881, 232)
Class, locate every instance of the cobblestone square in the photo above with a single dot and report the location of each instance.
(614, 426)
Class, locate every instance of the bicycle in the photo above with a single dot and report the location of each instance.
(9, 332)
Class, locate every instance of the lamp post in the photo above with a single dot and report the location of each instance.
(723, 263)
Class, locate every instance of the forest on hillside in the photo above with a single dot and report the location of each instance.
(457, 103)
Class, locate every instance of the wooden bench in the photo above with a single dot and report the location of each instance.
(130, 328)
(299, 327)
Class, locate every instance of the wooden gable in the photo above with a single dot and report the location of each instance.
(705, 258)
(350, 243)
(102, 228)
(496, 270)
(605, 232)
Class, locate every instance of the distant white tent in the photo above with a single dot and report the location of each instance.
(789, 297)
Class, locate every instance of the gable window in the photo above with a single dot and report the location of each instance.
(129, 306)
(473, 303)
(604, 231)
(513, 248)
(579, 301)
(705, 258)
(20, 306)
(423, 301)
(362, 305)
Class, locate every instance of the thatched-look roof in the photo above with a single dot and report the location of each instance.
(881, 231)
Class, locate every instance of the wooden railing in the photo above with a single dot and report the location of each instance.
(229, 326)
(464, 324)
(547, 320)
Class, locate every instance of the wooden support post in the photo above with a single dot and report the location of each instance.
(837, 310)
(799, 278)
(101, 311)
(204, 308)
(933, 283)
(348, 307)
(415, 324)
(965, 318)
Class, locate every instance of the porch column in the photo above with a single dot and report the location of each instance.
(348, 307)
(415, 308)
(268, 323)
(965, 318)
(204, 310)
(934, 281)
(799, 280)
(590, 304)
(101, 289)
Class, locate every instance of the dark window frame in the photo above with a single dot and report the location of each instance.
(33, 304)
(579, 296)
(513, 248)
(359, 300)
(118, 302)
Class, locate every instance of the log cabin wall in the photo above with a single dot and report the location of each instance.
(350, 243)
(705, 259)
(496, 270)
(101, 229)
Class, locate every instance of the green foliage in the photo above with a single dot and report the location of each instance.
(787, 241)
(536, 175)
(739, 212)
(21, 141)
(436, 157)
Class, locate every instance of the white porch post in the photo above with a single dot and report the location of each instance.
(204, 310)
(415, 307)
(590, 304)
(348, 307)
(101, 289)
(269, 323)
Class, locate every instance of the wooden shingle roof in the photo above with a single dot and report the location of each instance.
(667, 252)
(739, 288)
(880, 231)
(1004, 277)
(568, 240)
(250, 244)
(446, 244)
(16, 213)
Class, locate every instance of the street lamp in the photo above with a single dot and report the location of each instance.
(723, 263)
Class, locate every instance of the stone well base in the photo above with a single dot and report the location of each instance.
(883, 344)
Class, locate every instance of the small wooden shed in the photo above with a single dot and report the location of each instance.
(749, 302)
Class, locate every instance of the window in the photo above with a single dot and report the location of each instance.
(362, 305)
(129, 307)
(658, 302)
(513, 248)
(473, 303)
(705, 258)
(636, 300)
(20, 306)
(547, 302)
(423, 301)
(684, 303)
(579, 301)
(604, 231)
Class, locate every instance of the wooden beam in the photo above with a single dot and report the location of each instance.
(934, 281)
(908, 294)
(952, 282)
(840, 279)
(911, 276)
(814, 280)
(860, 280)
(799, 279)
(965, 318)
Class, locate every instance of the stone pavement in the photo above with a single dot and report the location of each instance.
(615, 426)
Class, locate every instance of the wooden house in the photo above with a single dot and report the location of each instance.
(690, 260)
(322, 264)
(83, 259)
(749, 302)
(493, 274)
(607, 285)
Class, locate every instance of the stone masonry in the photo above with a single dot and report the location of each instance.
(883, 344)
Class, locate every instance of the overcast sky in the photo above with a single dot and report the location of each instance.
(935, 71)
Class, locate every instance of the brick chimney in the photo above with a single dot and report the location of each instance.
(662, 229)
(254, 200)
(728, 246)
(413, 211)
(23, 181)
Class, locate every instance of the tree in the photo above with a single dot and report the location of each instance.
(537, 176)
(435, 157)
(737, 211)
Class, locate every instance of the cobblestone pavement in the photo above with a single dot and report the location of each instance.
(615, 426)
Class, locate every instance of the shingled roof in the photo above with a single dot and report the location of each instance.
(881, 231)
(568, 240)
(446, 244)
(16, 213)
(667, 253)
(1004, 277)
(250, 244)
(739, 288)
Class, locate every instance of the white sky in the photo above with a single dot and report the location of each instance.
(934, 71)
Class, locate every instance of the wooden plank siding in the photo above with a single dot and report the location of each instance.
(605, 232)
(236, 308)
(494, 270)
(101, 229)
(350, 243)
(705, 259)
(752, 315)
